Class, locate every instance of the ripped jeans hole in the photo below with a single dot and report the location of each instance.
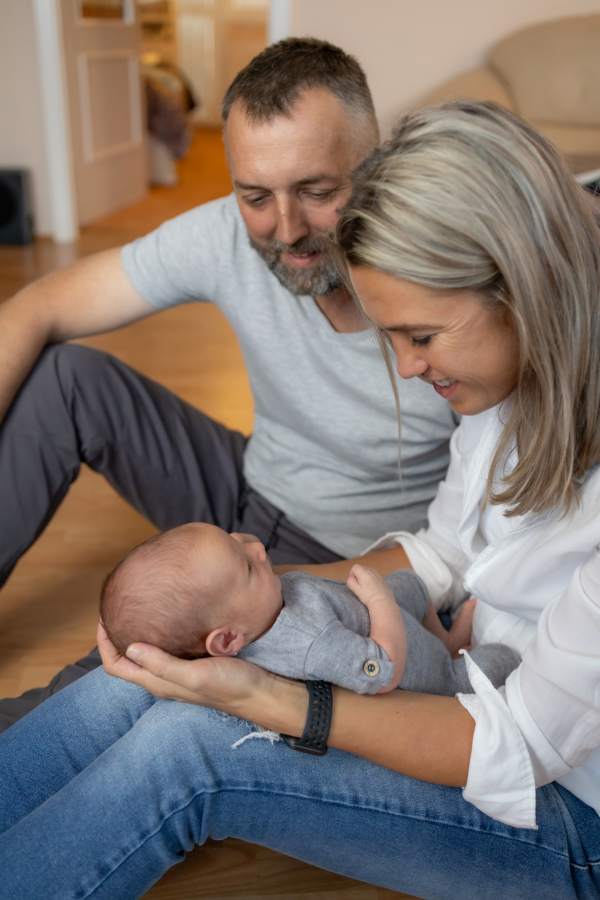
(271, 736)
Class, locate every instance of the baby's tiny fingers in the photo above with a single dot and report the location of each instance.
(361, 578)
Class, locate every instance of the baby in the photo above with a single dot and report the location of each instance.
(196, 590)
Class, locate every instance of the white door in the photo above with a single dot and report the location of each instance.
(101, 45)
(215, 39)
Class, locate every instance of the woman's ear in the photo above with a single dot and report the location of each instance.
(225, 641)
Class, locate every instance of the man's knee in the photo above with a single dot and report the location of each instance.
(50, 383)
(66, 363)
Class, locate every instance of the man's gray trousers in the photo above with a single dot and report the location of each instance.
(166, 458)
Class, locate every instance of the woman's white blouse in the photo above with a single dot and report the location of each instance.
(537, 580)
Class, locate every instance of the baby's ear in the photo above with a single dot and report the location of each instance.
(224, 641)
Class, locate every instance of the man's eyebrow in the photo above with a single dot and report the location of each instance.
(323, 176)
(313, 179)
(247, 187)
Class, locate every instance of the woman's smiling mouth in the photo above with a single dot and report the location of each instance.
(445, 388)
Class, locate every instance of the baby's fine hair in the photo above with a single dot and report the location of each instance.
(154, 596)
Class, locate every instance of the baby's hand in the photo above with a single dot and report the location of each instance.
(459, 636)
(387, 627)
(368, 586)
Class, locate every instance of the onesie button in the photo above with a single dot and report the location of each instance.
(466, 587)
(371, 667)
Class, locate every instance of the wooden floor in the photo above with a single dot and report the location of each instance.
(48, 609)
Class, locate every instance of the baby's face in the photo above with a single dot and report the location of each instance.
(251, 590)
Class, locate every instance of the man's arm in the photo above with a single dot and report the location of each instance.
(89, 297)
(383, 561)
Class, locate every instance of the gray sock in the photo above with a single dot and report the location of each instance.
(430, 669)
(496, 661)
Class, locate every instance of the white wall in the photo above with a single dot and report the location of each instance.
(22, 142)
(408, 47)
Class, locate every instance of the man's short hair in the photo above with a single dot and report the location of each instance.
(273, 81)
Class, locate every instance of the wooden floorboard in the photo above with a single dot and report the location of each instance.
(235, 870)
(48, 609)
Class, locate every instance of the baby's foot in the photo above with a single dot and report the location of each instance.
(459, 636)
(368, 585)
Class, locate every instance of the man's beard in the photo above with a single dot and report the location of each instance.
(314, 281)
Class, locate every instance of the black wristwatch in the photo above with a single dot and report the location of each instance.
(318, 721)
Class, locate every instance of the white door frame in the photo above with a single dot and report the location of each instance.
(65, 225)
(280, 14)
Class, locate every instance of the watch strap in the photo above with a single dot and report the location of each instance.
(318, 720)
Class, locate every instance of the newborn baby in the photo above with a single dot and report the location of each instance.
(196, 591)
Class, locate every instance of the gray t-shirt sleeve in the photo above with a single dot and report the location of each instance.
(182, 260)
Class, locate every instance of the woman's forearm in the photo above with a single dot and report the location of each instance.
(383, 561)
(419, 735)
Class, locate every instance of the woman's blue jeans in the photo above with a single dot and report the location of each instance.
(103, 788)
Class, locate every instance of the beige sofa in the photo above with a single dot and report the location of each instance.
(550, 74)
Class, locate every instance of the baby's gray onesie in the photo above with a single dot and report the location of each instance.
(323, 630)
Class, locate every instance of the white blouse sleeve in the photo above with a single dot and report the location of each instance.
(560, 677)
(547, 719)
(435, 553)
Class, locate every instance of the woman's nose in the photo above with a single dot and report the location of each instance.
(409, 362)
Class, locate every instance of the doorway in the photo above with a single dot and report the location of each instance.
(210, 40)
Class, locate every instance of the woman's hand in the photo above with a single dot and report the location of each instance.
(231, 685)
(213, 681)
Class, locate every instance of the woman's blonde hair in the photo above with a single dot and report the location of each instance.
(468, 197)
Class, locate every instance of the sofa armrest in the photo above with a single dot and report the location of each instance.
(476, 84)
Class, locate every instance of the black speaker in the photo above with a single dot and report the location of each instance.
(16, 219)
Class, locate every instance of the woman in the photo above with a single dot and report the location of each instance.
(477, 256)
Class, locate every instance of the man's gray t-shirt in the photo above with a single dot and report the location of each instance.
(325, 444)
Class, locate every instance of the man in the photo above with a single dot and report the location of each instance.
(318, 479)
